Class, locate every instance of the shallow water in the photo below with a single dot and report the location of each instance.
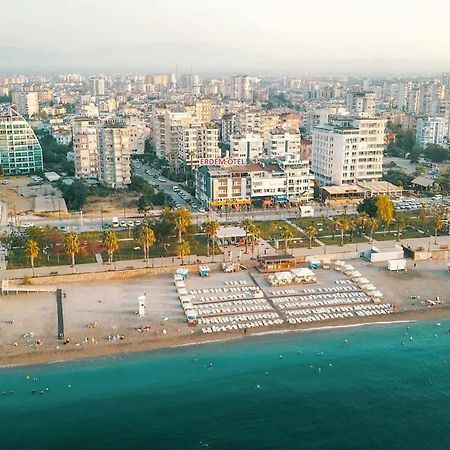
(306, 390)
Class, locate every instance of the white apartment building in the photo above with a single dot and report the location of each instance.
(348, 150)
(138, 134)
(248, 147)
(284, 181)
(432, 130)
(85, 147)
(299, 180)
(26, 103)
(196, 143)
(114, 155)
(282, 143)
(361, 104)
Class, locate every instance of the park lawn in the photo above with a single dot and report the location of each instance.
(328, 240)
(272, 229)
(391, 235)
(91, 243)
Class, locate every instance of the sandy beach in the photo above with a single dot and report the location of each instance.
(95, 311)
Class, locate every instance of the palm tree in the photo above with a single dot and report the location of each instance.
(32, 251)
(361, 222)
(72, 246)
(401, 226)
(352, 228)
(183, 250)
(254, 233)
(438, 224)
(111, 244)
(286, 234)
(211, 227)
(336, 224)
(311, 232)
(146, 237)
(372, 223)
(344, 226)
(183, 219)
(247, 224)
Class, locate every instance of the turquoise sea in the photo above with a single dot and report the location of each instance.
(371, 387)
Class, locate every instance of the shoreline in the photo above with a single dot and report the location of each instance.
(133, 345)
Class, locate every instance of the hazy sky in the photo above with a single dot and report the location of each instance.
(248, 33)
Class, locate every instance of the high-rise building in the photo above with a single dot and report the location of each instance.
(228, 127)
(97, 86)
(432, 130)
(348, 150)
(114, 155)
(248, 147)
(85, 147)
(196, 143)
(20, 150)
(240, 88)
(26, 103)
(361, 104)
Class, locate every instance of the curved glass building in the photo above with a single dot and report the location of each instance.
(20, 150)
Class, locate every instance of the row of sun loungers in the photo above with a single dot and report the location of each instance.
(224, 298)
(238, 318)
(243, 326)
(234, 309)
(281, 292)
(220, 290)
(344, 282)
(224, 307)
(330, 302)
(319, 314)
(235, 283)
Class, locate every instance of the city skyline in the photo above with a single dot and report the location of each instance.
(213, 37)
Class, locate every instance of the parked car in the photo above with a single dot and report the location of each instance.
(138, 223)
(161, 179)
(123, 224)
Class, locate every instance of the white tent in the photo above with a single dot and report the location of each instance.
(362, 281)
(303, 272)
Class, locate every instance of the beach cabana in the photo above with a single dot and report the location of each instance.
(304, 275)
(204, 271)
(183, 272)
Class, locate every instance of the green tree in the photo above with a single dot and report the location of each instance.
(436, 153)
(72, 246)
(111, 244)
(32, 251)
(368, 206)
(75, 195)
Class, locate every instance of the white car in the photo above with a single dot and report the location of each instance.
(138, 223)
(161, 180)
(123, 224)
